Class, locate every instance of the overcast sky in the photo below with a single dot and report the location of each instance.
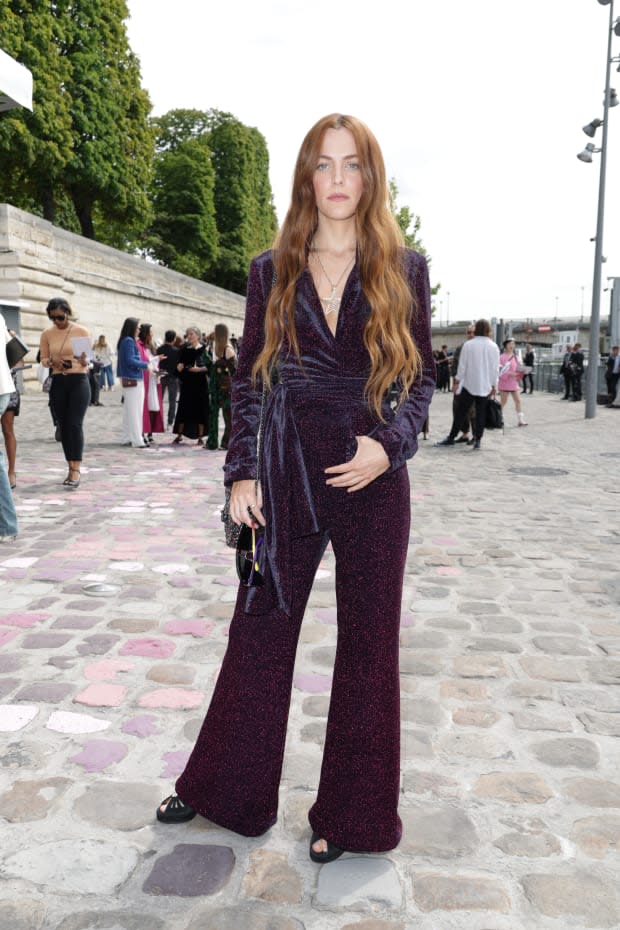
(478, 107)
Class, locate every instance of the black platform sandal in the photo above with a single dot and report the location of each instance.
(332, 852)
(176, 811)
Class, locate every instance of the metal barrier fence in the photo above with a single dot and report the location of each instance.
(547, 377)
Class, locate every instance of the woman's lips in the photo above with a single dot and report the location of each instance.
(338, 197)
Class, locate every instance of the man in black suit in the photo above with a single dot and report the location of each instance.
(576, 363)
(612, 372)
(566, 372)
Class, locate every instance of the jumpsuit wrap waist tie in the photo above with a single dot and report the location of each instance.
(288, 499)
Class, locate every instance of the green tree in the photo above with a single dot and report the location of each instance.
(88, 141)
(36, 147)
(113, 145)
(410, 225)
(183, 234)
(243, 201)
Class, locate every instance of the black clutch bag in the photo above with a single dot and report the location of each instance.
(16, 349)
(250, 556)
(231, 530)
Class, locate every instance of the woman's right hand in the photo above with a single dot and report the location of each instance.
(244, 495)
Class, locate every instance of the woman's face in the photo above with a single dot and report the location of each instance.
(136, 331)
(59, 318)
(337, 180)
(192, 337)
(510, 347)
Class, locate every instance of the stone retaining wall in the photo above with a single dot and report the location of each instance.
(39, 261)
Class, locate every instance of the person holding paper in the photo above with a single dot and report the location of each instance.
(65, 350)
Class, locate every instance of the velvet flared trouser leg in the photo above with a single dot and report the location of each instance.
(233, 774)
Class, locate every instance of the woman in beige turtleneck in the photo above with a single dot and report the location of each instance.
(70, 391)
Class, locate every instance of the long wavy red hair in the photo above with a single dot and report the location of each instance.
(387, 336)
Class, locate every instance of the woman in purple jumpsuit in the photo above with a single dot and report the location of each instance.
(332, 469)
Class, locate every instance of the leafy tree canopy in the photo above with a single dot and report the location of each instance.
(410, 225)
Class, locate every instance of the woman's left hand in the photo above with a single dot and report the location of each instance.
(368, 463)
(84, 360)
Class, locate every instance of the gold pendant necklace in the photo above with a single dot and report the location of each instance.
(331, 304)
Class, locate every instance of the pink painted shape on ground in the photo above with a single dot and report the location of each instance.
(407, 620)
(174, 698)
(98, 754)
(153, 648)
(326, 614)
(310, 681)
(101, 695)
(227, 581)
(7, 635)
(445, 541)
(23, 620)
(448, 570)
(107, 669)
(192, 627)
(175, 763)
(142, 726)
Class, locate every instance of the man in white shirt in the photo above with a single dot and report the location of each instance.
(476, 379)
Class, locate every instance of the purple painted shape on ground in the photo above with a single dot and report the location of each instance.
(191, 871)
(192, 627)
(50, 692)
(326, 614)
(73, 622)
(87, 606)
(98, 754)
(53, 575)
(228, 581)
(141, 726)
(9, 664)
(407, 620)
(15, 574)
(175, 763)
(153, 648)
(312, 682)
(7, 685)
(45, 640)
(24, 620)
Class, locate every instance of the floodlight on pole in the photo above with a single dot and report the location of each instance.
(587, 153)
(590, 129)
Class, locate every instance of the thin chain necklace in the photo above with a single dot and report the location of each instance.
(331, 304)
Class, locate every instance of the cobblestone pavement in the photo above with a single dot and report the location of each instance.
(510, 675)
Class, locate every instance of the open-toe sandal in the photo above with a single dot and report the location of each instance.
(73, 483)
(332, 852)
(175, 811)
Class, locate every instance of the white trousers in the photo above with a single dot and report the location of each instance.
(133, 404)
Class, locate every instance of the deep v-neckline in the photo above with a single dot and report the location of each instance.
(333, 333)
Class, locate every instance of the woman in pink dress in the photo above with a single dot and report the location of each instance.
(152, 419)
(508, 379)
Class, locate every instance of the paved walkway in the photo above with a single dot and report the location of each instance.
(510, 675)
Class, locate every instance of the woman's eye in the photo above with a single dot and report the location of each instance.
(322, 166)
(352, 166)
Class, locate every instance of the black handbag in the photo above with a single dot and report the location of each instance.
(249, 560)
(231, 530)
(16, 349)
(495, 415)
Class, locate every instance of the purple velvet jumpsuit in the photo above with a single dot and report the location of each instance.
(312, 417)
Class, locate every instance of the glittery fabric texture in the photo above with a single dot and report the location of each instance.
(311, 420)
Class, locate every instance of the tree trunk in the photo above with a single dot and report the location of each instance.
(49, 204)
(84, 211)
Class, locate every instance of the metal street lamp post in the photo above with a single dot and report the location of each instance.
(586, 156)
